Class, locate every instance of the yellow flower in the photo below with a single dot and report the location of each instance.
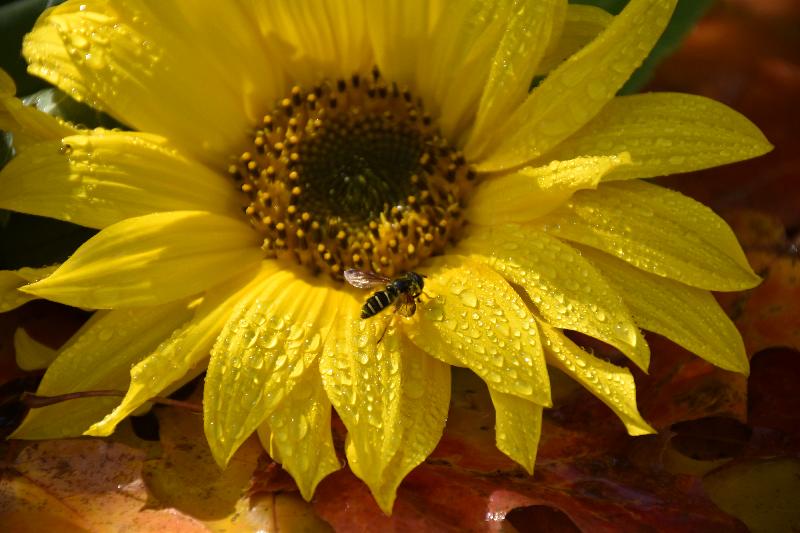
(276, 144)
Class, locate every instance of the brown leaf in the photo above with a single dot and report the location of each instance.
(584, 470)
(763, 493)
(82, 485)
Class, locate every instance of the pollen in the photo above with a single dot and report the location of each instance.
(353, 173)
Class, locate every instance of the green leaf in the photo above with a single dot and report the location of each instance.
(612, 6)
(28, 240)
(6, 148)
(59, 104)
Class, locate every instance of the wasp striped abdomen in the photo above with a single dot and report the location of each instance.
(379, 301)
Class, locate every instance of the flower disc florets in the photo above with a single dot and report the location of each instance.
(353, 174)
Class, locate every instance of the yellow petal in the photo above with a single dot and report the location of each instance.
(152, 259)
(534, 191)
(160, 67)
(7, 86)
(270, 340)
(98, 357)
(54, 64)
(422, 415)
(518, 425)
(399, 30)
(581, 26)
(666, 133)
(529, 30)
(349, 29)
(475, 319)
(362, 379)
(613, 385)
(657, 230)
(459, 54)
(184, 350)
(98, 179)
(577, 90)
(688, 316)
(12, 280)
(298, 433)
(322, 39)
(30, 353)
(566, 290)
(392, 398)
(26, 123)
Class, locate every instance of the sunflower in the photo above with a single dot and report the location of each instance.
(274, 146)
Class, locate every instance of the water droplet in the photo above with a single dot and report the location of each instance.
(313, 343)
(80, 42)
(435, 313)
(524, 389)
(625, 333)
(272, 342)
(468, 298)
(362, 341)
(301, 427)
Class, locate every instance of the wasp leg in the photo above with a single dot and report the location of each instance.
(385, 328)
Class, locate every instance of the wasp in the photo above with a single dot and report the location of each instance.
(404, 292)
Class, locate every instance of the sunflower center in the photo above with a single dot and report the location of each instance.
(353, 174)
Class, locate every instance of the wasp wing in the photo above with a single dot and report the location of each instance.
(363, 279)
(405, 306)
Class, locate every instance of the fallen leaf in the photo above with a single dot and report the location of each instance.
(583, 470)
(762, 493)
(82, 485)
